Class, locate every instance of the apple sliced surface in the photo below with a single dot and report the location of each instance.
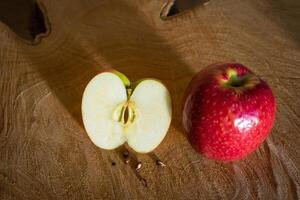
(114, 111)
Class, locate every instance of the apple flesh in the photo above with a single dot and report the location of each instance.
(228, 111)
(114, 111)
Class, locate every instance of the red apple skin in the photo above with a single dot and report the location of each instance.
(227, 124)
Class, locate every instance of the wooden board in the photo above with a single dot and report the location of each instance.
(44, 150)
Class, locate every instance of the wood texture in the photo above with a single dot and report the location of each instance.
(44, 150)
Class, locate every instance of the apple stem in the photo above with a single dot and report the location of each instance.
(129, 92)
(234, 80)
(238, 82)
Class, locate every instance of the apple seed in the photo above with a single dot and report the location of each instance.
(160, 163)
(138, 166)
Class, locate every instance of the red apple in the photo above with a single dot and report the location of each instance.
(228, 111)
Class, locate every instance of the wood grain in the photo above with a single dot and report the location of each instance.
(44, 150)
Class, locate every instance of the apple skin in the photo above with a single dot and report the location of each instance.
(226, 123)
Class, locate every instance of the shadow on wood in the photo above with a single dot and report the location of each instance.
(24, 17)
(103, 39)
(180, 6)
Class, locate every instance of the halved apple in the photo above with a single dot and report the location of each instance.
(114, 111)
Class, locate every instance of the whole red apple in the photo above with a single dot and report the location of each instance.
(228, 111)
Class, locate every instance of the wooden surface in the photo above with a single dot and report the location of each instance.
(44, 150)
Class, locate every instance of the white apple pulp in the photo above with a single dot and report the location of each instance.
(113, 116)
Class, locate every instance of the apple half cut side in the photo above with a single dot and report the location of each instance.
(114, 111)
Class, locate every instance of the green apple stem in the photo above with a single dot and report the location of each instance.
(124, 78)
(237, 82)
(129, 92)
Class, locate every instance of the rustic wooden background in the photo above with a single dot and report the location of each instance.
(44, 150)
